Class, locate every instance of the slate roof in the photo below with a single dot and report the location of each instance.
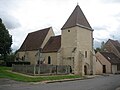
(111, 57)
(77, 18)
(34, 40)
(53, 44)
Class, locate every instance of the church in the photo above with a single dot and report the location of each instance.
(73, 47)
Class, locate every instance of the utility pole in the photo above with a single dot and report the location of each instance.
(39, 59)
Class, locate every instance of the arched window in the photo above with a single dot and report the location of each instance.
(49, 60)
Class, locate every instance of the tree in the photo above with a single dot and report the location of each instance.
(102, 45)
(100, 49)
(11, 57)
(5, 41)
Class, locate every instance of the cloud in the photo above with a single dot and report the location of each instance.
(24, 16)
(117, 16)
(115, 34)
(18, 36)
(9, 21)
(10, 4)
(7, 7)
(103, 27)
(97, 44)
(110, 1)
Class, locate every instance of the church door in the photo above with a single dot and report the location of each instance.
(85, 70)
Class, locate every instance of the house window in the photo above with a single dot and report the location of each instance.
(118, 67)
(38, 62)
(23, 58)
(68, 30)
(85, 54)
(49, 60)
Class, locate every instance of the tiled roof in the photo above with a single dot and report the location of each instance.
(111, 57)
(34, 40)
(53, 44)
(77, 18)
(118, 48)
(114, 42)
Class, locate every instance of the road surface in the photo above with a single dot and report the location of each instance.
(110, 82)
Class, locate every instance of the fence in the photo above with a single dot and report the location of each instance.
(42, 69)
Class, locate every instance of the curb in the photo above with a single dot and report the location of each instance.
(63, 80)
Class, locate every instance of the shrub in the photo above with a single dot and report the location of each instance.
(9, 64)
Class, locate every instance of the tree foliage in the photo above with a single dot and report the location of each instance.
(102, 46)
(101, 49)
(5, 40)
(10, 57)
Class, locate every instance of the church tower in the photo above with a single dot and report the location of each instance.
(77, 43)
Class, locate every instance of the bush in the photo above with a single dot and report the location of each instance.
(10, 58)
(9, 64)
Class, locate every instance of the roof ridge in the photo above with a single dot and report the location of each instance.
(40, 30)
(77, 15)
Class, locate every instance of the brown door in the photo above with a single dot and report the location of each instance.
(104, 68)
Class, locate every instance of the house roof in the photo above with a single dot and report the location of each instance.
(118, 48)
(111, 57)
(34, 40)
(115, 43)
(77, 18)
(53, 44)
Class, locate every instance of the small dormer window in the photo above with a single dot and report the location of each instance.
(68, 30)
(109, 58)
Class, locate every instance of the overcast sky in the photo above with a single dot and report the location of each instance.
(24, 16)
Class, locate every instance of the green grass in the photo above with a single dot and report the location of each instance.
(18, 77)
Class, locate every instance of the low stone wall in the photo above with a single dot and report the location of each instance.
(41, 69)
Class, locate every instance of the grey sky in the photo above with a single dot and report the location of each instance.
(24, 16)
(110, 1)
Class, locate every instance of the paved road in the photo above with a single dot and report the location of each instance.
(98, 83)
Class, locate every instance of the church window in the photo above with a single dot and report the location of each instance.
(85, 54)
(22, 58)
(49, 60)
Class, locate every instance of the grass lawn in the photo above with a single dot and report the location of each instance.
(18, 77)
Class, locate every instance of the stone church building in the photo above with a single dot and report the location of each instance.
(73, 47)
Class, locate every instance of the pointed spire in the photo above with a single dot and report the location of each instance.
(77, 18)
